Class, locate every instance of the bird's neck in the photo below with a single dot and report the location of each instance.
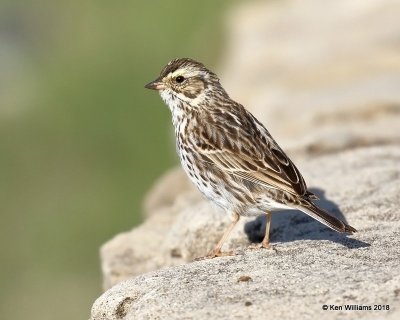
(181, 110)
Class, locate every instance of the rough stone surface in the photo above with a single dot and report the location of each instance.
(181, 232)
(143, 248)
(164, 193)
(311, 265)
(327, 73)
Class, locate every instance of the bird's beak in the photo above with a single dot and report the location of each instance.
(155, 85)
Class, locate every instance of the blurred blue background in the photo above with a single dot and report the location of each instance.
(81, 140)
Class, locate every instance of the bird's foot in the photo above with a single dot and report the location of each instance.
(216, 253)
(256, 246)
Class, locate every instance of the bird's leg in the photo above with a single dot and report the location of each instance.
(265, 242)
(216, 252)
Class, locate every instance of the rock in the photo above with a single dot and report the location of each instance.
(168, 187)
(187, 229)
(321, 76)
(135, 252)
(311, 266)
(143, 248)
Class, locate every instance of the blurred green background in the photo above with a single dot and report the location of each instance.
(81, 140)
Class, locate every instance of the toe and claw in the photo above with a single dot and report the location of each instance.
(214, 254)
(261, 245)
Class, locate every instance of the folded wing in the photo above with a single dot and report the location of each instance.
(250, 154)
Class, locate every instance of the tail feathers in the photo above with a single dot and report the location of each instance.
(325, 218)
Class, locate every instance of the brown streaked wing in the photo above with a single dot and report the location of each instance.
(269, 167)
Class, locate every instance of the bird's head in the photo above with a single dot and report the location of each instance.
(186, 81)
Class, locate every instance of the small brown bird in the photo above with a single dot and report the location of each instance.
(228, 154)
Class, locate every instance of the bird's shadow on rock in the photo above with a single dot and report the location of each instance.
(291, 225)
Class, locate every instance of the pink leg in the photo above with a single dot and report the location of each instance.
(265, 242)
(216, 252)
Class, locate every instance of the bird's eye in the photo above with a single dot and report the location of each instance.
(179, 79)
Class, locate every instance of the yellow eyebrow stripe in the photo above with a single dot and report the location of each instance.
(176, 73)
